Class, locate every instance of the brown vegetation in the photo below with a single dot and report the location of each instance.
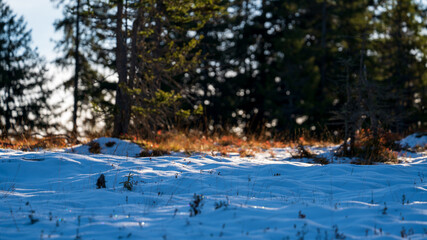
(32, 143)
(197, 142)
(369, 149)
(94, 147)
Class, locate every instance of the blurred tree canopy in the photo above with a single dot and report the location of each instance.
(246, 66)
(278, 65)
(23, 81)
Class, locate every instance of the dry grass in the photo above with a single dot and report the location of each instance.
(153, 152)
(174, 141)
(35, 143)
(303, 152)
(196, 142)
(366, 150)
(320, 160)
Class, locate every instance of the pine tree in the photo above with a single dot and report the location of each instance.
(239, 74)
(401, 48)
(208, 86)
(151, 48)
(23, 80)
(84, 50)
(269, 67)
(169, 49)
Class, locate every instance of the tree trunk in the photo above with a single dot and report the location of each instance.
(347, 109)
(76, 72)
(7, 114)
(134, 48)
(323, 46)
(122, 115)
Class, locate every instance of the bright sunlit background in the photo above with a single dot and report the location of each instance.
(40, 16)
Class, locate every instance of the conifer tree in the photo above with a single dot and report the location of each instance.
(23, 79)
(401, 48)
(278, 60)
(150, 48)
(82, 51)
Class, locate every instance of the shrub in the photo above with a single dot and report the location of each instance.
(302, 152)
(100, 183)
(370, 149)
(221, 204)
(94, 147)
(128, 184)
(196, 205)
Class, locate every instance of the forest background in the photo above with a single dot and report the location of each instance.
(265, 68)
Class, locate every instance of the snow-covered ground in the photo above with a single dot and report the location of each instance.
(269, 196)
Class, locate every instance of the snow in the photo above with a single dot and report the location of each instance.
(268, 196)
(415, 140)
(110, 146)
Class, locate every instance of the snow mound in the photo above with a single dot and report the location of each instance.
(109, 146)
(415, 140)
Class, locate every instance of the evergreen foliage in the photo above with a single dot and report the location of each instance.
(248, 66)
(278, 65)
(95, 90)
(167, 44)
(401, 64)
(23, 79)
(147, 43)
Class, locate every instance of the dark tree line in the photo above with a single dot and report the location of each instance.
(144, 65)
(286, 65)
(286, 59)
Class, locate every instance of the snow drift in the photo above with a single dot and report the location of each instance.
(110, 146)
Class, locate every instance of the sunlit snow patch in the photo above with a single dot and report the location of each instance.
(415, 140)
(110, 146)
